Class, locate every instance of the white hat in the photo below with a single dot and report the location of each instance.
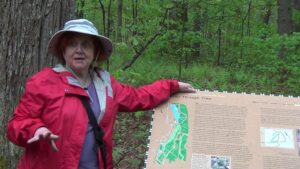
(82, 26)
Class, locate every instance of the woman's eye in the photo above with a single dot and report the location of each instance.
(87, 44)
(72, 44)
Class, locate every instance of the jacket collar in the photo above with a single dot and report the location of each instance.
(71, 79)
(101, 79)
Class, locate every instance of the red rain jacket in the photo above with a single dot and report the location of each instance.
(51, 100)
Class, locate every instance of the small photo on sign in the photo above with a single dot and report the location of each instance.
(220, 162)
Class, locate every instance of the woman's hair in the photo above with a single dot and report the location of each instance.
(63, 42)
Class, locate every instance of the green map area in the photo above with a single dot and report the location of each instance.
(175, 146)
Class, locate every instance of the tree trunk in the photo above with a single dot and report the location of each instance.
(268, 12)
(284, 21)
(296, 6)
(220, 39)
(26, 27)
(134, 16)
(109, 19)
(249, 18)
(119, 20)
(285, 25)
(184, 20)
(79, 9)
(103, 17)
(197, 27)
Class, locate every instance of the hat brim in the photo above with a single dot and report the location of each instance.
(54, 42)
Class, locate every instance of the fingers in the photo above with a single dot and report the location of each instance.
(51, 141)
(189, 88)
(53, 146)
(33, 139)
(186, 87)
(44, 133)
(54, 137)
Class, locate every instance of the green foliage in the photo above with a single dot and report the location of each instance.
(219, 45)
(296, 17)
(139, 114)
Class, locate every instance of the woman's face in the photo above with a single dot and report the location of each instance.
(79, 53)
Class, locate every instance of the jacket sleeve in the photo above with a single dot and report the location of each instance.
(145, 97)
(26, 117)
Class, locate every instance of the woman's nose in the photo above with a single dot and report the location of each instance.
(79, 48)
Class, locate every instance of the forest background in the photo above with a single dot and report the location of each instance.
(233, 45)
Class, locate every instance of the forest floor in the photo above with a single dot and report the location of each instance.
(130, 138)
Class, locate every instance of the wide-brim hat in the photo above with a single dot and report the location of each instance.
(82, 26)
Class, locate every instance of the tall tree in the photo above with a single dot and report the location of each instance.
(119, 20)
(285, 24)
(267, 12)
(284, 21)
(184, 20)
(134, 16)
(197, 27)
(109, 19)
(26, 27)
(246, 17)
(296, 6)
(103, 16)
(80, 7)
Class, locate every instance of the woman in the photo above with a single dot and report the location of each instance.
(50, 121)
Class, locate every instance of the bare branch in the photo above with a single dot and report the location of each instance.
(139, 52)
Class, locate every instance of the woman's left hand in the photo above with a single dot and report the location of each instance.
(186, 88)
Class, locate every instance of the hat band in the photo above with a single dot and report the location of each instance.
(84, 28)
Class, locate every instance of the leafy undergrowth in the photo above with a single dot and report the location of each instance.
(130, 139)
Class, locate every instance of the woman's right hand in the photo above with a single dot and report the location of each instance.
(44, 133)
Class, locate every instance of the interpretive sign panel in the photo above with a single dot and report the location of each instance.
(219, 130)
